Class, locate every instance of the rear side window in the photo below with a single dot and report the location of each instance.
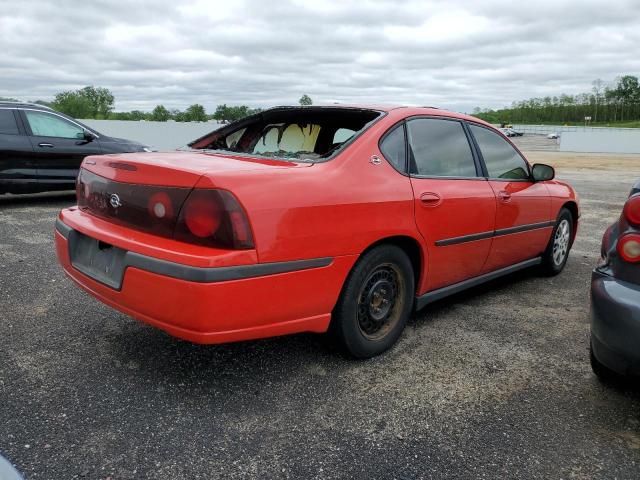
(439, 148)
(8, 125)
(501, 159)
(393, 148)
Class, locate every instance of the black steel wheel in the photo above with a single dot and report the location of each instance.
(375, 302)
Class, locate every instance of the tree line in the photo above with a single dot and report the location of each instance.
(616, 102)
(98, 103)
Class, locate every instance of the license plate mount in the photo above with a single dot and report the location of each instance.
(96, 259)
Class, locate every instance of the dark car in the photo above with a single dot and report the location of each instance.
(615, 297)
(41, 149)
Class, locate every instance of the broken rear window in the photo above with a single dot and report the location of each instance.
(300, 134)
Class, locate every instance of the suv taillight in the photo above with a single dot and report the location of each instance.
(629, 247)
(214, 218)
(632, 210)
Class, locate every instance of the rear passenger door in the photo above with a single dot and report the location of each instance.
(59, 147)
(523, 216)
(17, 165)
(455, 207)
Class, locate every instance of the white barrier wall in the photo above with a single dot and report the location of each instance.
(601, 140)
(159, 135)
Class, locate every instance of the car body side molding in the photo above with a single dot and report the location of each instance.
(497, 233)
(430, 297)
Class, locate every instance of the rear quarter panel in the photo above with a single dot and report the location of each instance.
(335, 208)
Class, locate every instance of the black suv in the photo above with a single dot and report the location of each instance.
(41, 149)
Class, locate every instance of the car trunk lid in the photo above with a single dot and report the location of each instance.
(146, 191)
(177, 169)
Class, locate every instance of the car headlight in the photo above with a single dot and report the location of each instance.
(147, 149)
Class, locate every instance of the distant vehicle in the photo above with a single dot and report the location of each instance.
(308, 219)
(510, 132)
(553, 135)
(615, 297)
(41, 149)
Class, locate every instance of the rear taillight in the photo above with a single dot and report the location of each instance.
(208, 217)
(214, 218)
(160, 206)
(632, 210)
(629, 247)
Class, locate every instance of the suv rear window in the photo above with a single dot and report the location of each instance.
(8, 125)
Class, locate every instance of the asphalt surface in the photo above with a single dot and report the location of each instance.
(494, 383)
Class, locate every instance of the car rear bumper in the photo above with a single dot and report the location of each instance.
(217, 304)
(615, 323)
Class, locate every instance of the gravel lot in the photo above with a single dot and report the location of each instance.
(494, 383)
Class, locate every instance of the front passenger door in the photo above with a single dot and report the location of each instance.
(59, 147)
(523, 216)
(455, 207)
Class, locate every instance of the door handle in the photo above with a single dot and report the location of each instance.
(50, 145)
(504, 195)
(430, 199)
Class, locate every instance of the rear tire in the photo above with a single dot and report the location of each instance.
(375, 302)
(557, 253)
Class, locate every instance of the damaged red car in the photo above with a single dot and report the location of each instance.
(312, 219)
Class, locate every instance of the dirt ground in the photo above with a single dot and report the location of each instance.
(492, 383)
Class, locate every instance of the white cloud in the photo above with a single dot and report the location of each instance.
(455, 54)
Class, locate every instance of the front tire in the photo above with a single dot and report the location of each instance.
(557, 253)
(375, 302)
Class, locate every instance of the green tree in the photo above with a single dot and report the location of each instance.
(73, 104)
(101, 100)
(178, 116)
(88, 102)
(160, 114)
(618, 101)
(305, 100)
(196, 113)
(226, 113)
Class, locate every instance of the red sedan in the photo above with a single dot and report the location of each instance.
(312, 219)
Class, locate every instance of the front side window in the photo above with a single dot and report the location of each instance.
(393, 147)
(439, 148)
(46, 125)
(501, 159)
(8, 125)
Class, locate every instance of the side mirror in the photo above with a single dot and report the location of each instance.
(86, 135)
(542, 172)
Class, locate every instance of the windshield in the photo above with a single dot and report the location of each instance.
(299, 134)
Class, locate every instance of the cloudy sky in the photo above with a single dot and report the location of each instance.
(454, 54)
